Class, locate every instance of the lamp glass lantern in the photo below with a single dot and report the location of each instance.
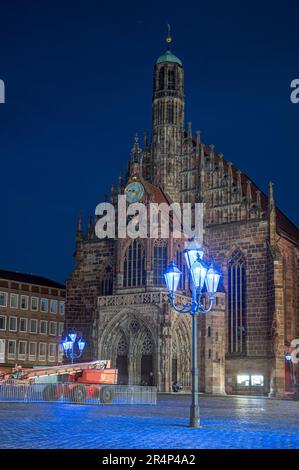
(172, 277)
(212, 279)
(198, 272)
(191, 255)
(81, 344)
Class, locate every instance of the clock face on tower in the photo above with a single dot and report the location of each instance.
(134, 191)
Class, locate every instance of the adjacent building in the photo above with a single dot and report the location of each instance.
(31, 320)
(116, 295)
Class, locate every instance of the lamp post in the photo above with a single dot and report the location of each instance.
(201, 274)
(70, 342)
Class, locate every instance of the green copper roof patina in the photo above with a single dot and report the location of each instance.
(168, 56)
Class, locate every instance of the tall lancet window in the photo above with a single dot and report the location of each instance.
(180, 262)
(134, 265)
(171, 80)
(106, 286)
(236, 303)
(159, 261)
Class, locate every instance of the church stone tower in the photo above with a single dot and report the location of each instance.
(167, 121)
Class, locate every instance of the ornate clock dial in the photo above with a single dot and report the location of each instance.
(134, 191)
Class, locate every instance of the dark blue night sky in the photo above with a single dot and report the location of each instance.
(78, 78)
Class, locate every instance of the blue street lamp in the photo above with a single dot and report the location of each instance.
(70, 342)
(201, 274)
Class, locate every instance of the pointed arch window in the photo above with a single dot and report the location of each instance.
(237, 303)
(159, 261)
(106, 285)
(180, 262)
(134, 265)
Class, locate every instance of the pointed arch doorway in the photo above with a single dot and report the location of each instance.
(147, 361)
(122, 361)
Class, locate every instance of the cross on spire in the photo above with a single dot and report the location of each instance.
(168, 38)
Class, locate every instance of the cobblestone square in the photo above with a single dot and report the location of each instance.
(227, 423)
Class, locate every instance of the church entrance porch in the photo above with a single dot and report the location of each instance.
(128, 340)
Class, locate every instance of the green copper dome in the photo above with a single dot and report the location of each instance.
(168, 56)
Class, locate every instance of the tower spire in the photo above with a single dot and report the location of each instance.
(168, 38)
(79, 232)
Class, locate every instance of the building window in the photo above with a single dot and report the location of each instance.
(107, 282)
(22, 350)
(2, 323)
(161, 79)
(257, 380)
(43, 305)
(52, 351)
(62, 307)
(246, 380)
(12, 323)
(209, 332)
(42, 351)
(14, 300)
(43, 327)
(53, 306)
(60, 329)
(33, 326)
(34, 304)
(171, 80)
(53, 328)
(159, 261)
(183, 284)
(23, 325)
(60, 353)
(32, 351)
(236, 303)
(11, 350)
(3, 299)
(134, 265)
(24, 302)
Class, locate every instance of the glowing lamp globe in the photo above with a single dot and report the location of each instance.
(172, 277)
(198, 272)
(81, 344)
(192, 254)
(67, 343)
(73, 336)
(212, 279)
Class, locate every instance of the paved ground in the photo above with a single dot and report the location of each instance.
(227, 423)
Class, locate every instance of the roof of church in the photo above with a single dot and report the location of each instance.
(285, 227)
(168, 56)
(29, 279)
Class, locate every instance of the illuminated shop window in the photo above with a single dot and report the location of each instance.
(243, 380)
(254, 380)
(257, 380)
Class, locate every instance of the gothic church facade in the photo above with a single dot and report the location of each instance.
(116, 295)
